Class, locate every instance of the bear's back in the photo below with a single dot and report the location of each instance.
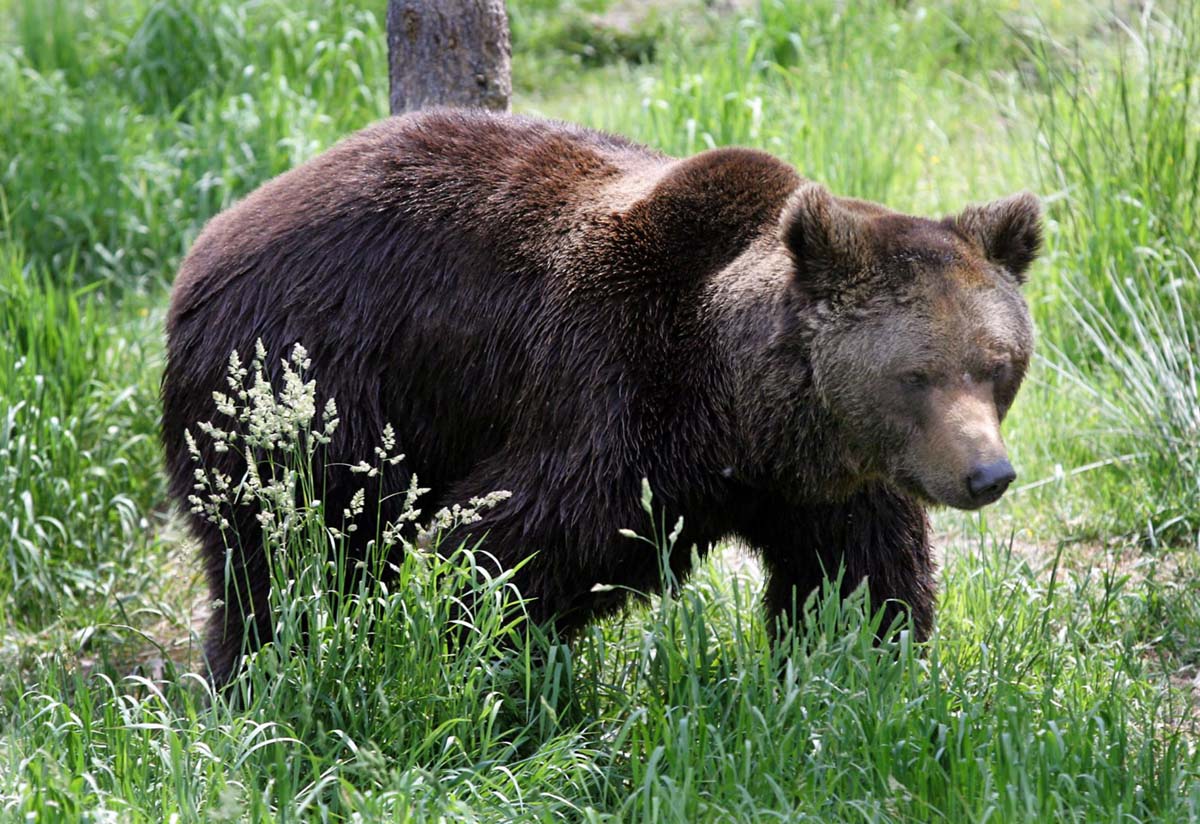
(507, 179)
(412, 261)
(460, 273)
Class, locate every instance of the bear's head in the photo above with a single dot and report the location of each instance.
(918, 335)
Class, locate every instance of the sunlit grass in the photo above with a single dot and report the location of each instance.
(1033, 703)
(78, 445)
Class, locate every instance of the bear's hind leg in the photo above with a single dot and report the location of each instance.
(238, 586)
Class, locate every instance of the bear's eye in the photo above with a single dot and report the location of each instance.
(914, 379)
(998, 371)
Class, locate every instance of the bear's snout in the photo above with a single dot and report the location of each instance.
(987, 482)
(959, 458)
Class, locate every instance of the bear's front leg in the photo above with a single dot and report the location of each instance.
(878, 534)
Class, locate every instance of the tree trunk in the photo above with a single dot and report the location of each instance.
(448, 53)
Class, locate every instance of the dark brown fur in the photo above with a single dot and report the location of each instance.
(558, 313)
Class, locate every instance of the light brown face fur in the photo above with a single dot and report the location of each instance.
(950, 388)
(924, 338)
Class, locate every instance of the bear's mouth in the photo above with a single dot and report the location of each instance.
(911, 485)
(918, 490)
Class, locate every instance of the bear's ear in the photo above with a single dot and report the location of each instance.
(820, 234)
(1008, 231)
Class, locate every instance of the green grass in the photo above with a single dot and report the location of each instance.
(1059, 683)
(78, 441)
(1034, 704)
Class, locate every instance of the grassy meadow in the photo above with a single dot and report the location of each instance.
(1064, 679)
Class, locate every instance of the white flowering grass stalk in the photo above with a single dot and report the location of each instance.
(328, 607)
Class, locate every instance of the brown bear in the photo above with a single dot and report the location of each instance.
(560, 313)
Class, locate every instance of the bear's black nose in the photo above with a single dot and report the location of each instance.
(987, 482)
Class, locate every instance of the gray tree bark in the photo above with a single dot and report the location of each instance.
(448, 53)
